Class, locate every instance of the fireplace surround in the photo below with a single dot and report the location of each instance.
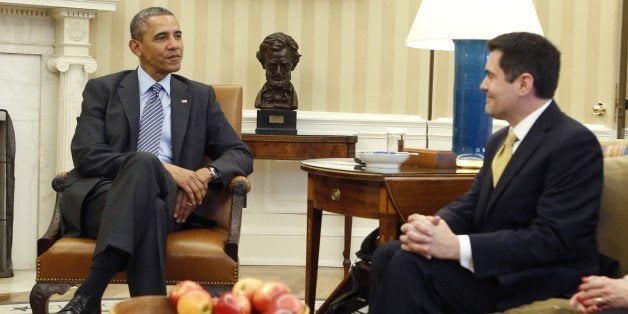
(44, 65)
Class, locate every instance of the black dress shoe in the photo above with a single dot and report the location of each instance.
(80, 304)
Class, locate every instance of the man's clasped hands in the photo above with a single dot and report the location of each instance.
(429, 236)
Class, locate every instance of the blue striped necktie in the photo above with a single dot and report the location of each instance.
(151, 122)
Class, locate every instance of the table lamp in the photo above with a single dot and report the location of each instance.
(465, 26)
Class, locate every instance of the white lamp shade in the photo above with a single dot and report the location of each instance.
(438, 22)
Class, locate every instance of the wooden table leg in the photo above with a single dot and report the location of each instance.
(314, 217)
(388, 219)
(345, 286)
(346, 262)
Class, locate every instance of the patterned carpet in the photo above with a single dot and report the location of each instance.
(53, 306)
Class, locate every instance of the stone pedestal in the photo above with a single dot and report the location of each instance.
(71, 59)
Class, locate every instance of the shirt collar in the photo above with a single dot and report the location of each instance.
(522, 129)
(146, 81)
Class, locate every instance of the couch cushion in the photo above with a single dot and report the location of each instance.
(611, 230)
(549, 306)
(614, 148)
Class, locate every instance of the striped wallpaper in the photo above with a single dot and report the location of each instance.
(354, 57)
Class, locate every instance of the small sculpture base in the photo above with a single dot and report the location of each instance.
(272, 121)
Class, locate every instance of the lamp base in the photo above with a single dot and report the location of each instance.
(470, 161)
(472, 126)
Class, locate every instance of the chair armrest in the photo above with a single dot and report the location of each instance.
(54, 229)
(239, 187)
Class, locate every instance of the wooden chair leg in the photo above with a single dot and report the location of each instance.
(41, 292)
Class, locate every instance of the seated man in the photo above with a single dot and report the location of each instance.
(525, 230)
(138, 151)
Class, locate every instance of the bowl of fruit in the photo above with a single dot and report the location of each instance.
(248, 296)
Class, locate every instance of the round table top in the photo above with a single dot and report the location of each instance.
(349, 166)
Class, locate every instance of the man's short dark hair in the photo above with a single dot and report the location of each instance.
(277, 42)
(138, 23)
(531, 53)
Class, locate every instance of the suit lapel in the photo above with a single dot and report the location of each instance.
(180, 105)
(528, 146)
(128, 93)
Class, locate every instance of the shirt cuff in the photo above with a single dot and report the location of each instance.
(466, 257)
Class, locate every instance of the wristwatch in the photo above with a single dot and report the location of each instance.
(216, 177)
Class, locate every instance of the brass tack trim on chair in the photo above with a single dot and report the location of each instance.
(71, 280)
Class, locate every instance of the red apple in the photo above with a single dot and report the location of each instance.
(232, 303)
(195, 302)
(247, 287)
(181, 288)
(287, 303)
(263, 298)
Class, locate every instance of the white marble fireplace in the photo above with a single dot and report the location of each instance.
(44, 63)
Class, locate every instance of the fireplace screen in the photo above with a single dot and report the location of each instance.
(7, 185)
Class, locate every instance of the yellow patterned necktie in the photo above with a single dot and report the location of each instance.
(503, 156)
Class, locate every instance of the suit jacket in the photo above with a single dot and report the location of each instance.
(535, 231)
(108, 128)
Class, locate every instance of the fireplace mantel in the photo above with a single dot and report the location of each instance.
(44, 66)
(70, 58)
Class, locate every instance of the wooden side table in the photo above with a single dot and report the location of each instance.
(300, 147)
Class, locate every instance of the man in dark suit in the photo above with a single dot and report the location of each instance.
(139, 150)
(527, 234)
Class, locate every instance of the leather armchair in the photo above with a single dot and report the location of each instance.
(208, 256)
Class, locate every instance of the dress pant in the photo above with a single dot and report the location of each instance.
(134, 212)
(405, 282)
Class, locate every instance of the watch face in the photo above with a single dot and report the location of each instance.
(215, 174)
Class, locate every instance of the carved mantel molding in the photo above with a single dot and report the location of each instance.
(22, 11)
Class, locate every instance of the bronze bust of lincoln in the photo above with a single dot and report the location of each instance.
(279, 55)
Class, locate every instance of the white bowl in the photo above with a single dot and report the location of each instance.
(381, 159)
